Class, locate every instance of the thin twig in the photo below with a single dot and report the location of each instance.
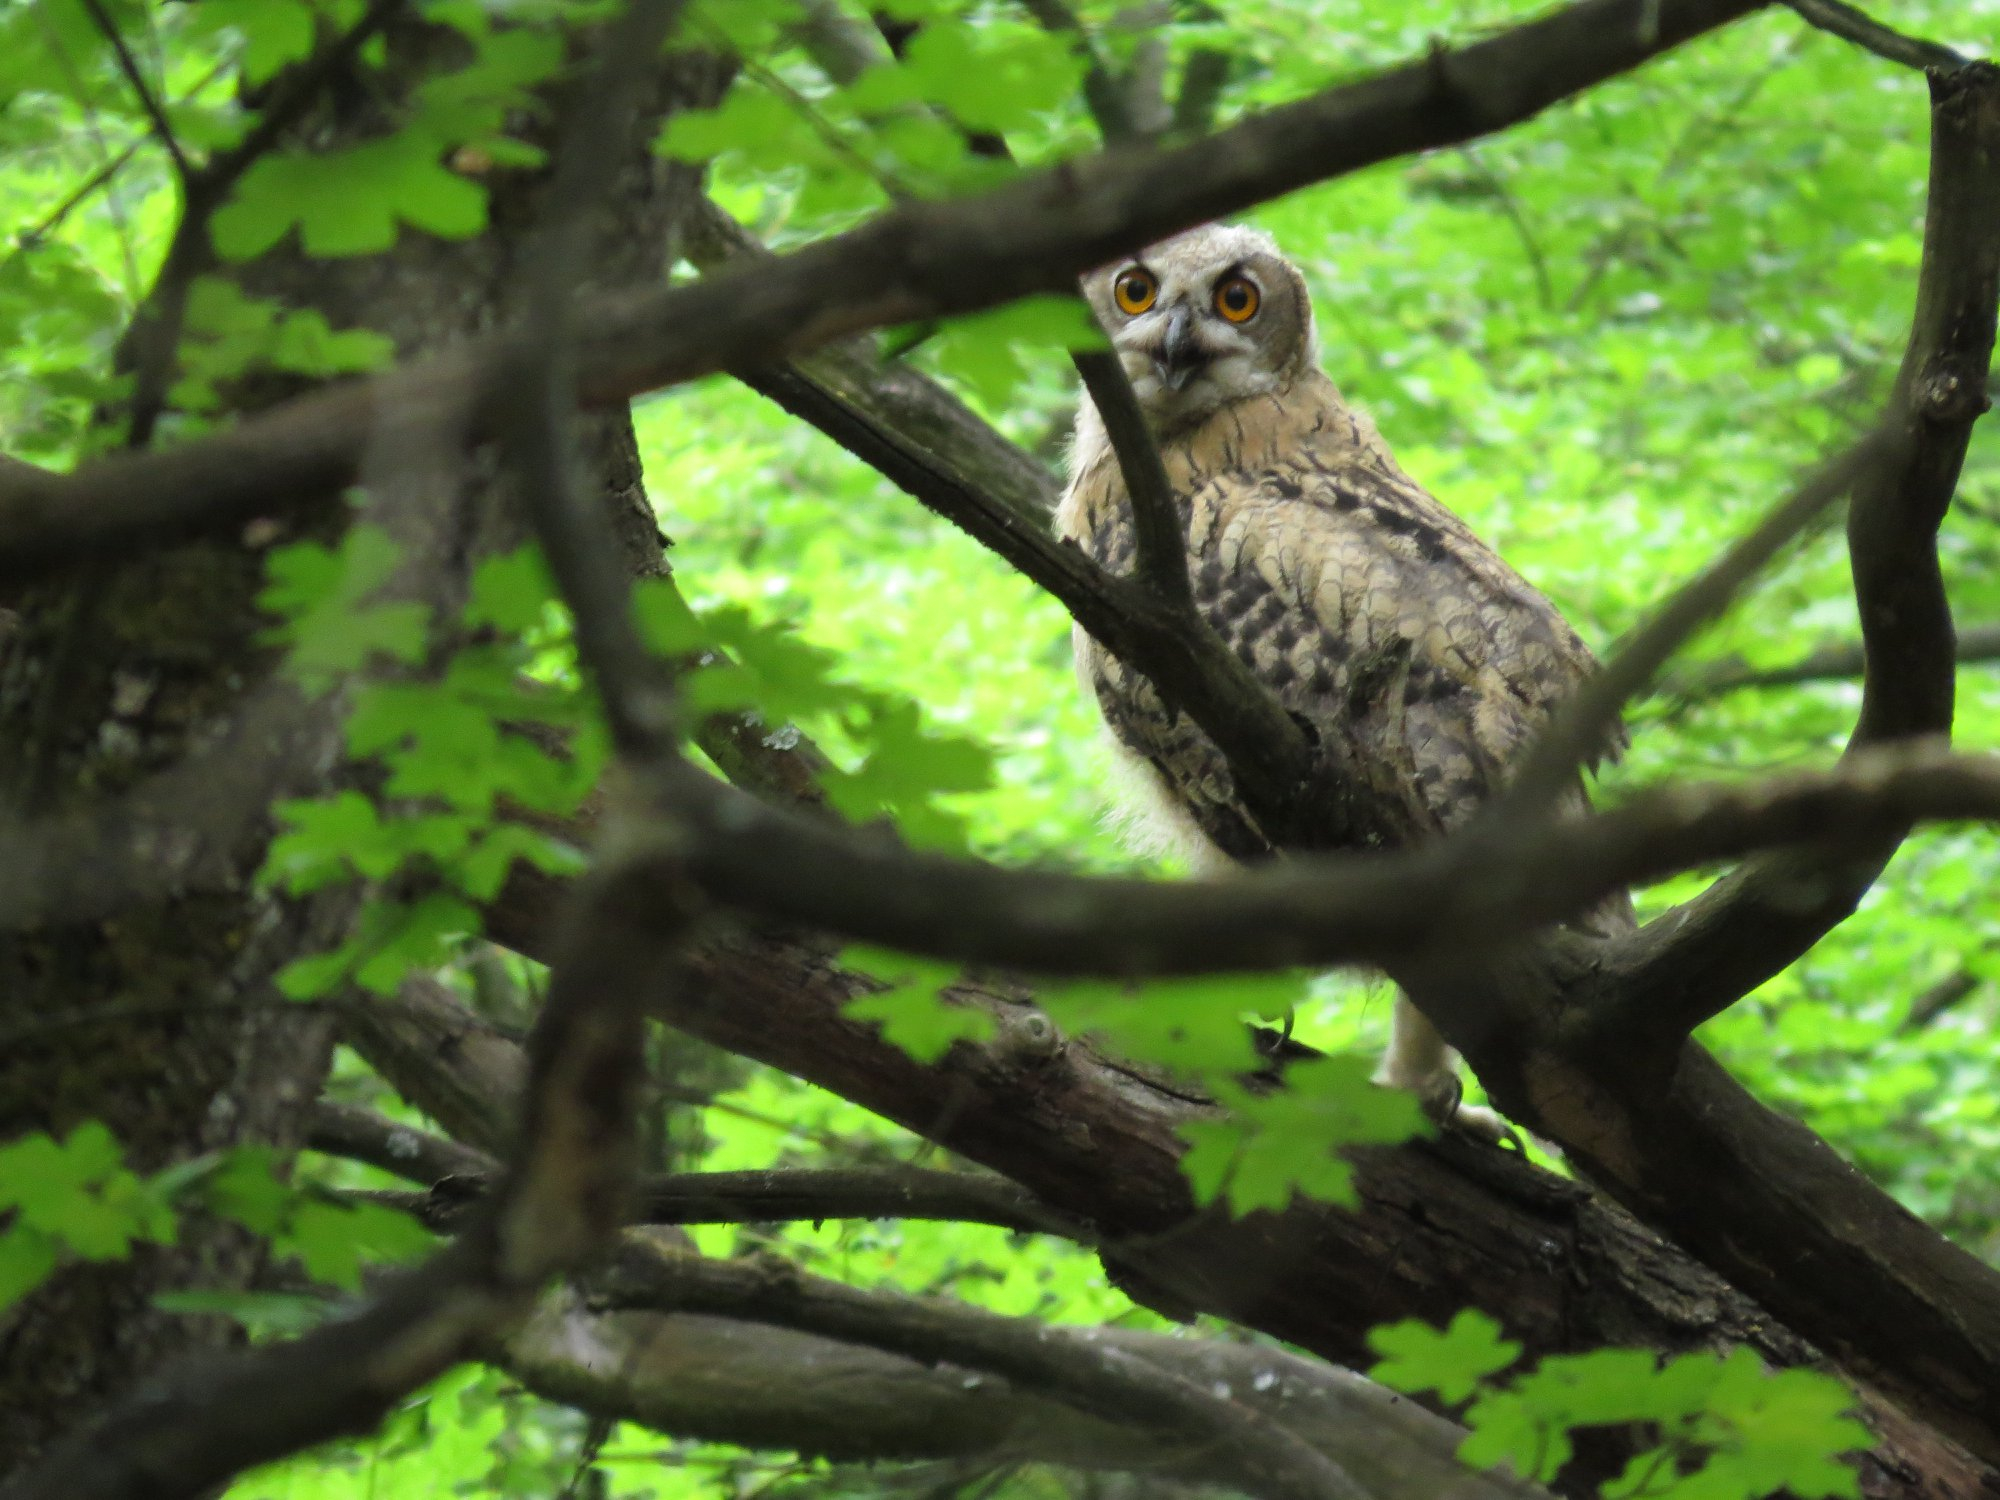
(1857, 26)
(1585, 727)
(129, 66)
(1839, 662)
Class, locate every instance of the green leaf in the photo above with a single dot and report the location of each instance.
(992, 352)
(912, 1012)
(1272, 1147)
(28, 1257)
(320, 595)
(1418, 1357)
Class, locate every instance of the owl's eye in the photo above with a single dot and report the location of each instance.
(1236, 298)
(1134, 290)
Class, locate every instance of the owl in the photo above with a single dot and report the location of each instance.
(1316, 559)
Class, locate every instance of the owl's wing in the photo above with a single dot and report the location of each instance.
(1337, 579)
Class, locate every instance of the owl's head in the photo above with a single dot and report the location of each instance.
(1204, 319)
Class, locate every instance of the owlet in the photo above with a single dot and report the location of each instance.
(1311, 554)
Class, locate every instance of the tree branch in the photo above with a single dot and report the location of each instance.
(1156, 518)
(1585, 728)
(362, 1135)
(774, 1388)
(163, 132)
(1834, 662)
(921, 260)
(789, 1195)
(1458, 894)
(1854, 25)
(1700, 958)
(1267, 1458)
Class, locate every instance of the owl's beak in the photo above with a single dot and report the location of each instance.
(1180, 356)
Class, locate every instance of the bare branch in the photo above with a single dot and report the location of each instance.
(1453, 894)
(769, 1387)
(788, 1195)
(362, 1135)
(1855, 25)
(1703, 956)
(1585, 728)
(1834, 662)
(921, 260)
(1156, 518)
(1268, 1459)
(163, 131)
(1109, 106)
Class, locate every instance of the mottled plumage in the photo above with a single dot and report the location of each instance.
(1313, 556)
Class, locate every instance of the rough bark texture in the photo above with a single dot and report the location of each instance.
(1439, 1225)
(115, 674)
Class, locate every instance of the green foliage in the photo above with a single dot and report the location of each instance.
(910, 1008)
(1270, 1146)
(1728, 1429)
(77, 1198)
(230, 334)
(74, 1197)
(1607, 338)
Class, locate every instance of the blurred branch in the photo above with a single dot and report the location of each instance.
(1855, 25)
(1830, 663)
(1266, 1457)
(156, 117)
(362, 1135)
(788, 1195)
(1102, 91)
(768, 1387)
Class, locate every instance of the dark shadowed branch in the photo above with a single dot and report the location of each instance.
(921, 260)
(1850, 23)
(1156, 521)
(1697, 960)
(779, 1196)
(1454, 893)
(362, 1135)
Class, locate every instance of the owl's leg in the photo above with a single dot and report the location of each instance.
(1419, 1062)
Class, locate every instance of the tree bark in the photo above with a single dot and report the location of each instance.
(117, 672)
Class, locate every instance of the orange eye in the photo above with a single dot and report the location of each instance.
(1236, 298)
(1134, 290)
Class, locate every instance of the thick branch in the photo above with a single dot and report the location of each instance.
(1450, 895)
(1266, 1457)
(765, 1387)
(921, 260)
